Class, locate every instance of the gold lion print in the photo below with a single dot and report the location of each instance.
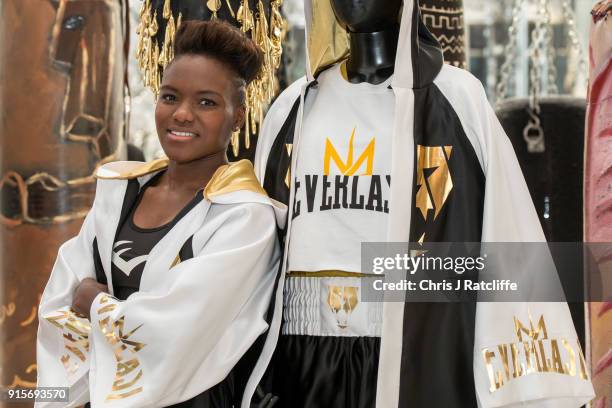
(533, 352)
(342, 300)
(434, 181)
(75, 332)
(128, 374)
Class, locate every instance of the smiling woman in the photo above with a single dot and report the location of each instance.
(168, 282)
(202, 93)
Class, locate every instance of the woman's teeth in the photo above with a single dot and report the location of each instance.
(183, 134)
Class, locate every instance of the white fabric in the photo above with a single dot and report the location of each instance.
(307, 308)
(188, 325)
(327, 227)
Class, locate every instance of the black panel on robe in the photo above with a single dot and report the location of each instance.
(276, 169)
(437, 354)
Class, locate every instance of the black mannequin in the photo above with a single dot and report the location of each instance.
(373, 30)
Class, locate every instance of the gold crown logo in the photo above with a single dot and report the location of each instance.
(349, 167)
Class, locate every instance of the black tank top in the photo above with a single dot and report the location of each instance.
(133, 245)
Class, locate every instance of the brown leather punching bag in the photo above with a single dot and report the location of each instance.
(62, 69)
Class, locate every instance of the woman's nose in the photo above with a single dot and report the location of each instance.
(183, 113)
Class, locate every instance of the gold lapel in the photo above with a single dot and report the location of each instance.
(143, 170)
(233, 177)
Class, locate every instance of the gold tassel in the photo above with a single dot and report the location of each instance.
(153, 27)
(229, 6)
(245, 16)
(179, 21)
(165, 56)
(155, 77)
(167, 9)
(277, 28)
(235, 141)
(213, 6)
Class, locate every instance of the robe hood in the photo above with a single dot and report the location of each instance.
(418, 59)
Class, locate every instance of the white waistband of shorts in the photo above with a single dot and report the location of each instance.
(328, 306)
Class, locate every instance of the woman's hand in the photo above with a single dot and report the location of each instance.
(84, 295)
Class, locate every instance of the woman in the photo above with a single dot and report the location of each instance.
(187, 246)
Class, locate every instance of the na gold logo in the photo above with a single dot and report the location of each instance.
(533, 352)
(342, 300)
(435, 184)
(349, 166)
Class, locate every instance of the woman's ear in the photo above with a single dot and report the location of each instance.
(239, 116)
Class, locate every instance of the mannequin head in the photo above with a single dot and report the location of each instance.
(366, 16)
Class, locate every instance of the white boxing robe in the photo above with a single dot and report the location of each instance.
(190, 322)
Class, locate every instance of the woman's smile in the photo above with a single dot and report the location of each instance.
(180, 135)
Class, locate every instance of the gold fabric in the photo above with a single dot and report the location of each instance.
(228, 178)
(143, 170)
(327, 41)
(232, 177)
(329, 274)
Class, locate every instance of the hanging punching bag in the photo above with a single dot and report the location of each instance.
(61, 115)
(554, 176)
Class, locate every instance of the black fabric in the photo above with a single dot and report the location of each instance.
(555, 176)
(427, 57)
(325, 372)
(437, 353)
(134, 244)
(274, 180)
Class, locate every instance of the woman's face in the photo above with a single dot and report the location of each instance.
(197, 109)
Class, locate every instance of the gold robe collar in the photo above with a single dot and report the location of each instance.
(228, 178)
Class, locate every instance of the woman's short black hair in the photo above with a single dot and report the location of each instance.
(222, 41)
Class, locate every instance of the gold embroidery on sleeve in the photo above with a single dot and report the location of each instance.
(128, 374)
(75, 331)
(533, 352)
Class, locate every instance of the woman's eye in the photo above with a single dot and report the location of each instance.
(207, 102)
(168, 97)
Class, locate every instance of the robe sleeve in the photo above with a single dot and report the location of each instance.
(526, 354)
(62, 345)
(169, 344)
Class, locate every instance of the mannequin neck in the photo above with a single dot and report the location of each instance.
(372, 57)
